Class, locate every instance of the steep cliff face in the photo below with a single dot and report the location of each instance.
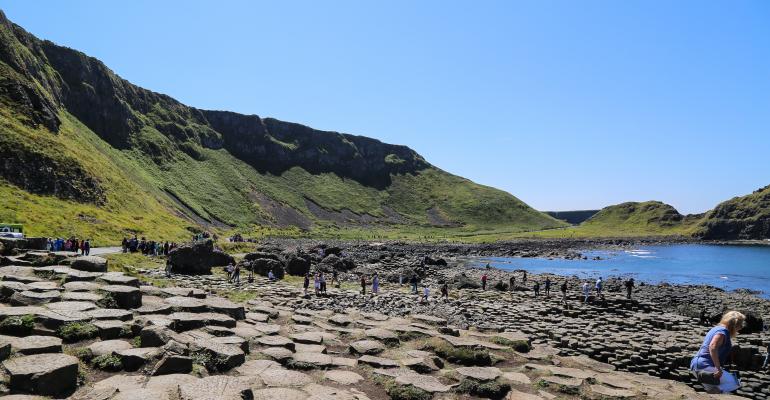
(224, 168)
(745, 217)
(274, 146)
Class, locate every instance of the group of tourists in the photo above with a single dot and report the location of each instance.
(234, 274)
(596, 287)
(203, 236)
(147, 247)
(319, 282)
(71, 244)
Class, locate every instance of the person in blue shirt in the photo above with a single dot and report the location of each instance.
(713, 353)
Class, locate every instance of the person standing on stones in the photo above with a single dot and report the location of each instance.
(445, 291)
(599, 286)
(707, 363)
(376, 284)
(322, 281)
(229, 270)
(512, 282)
(237, 274)
(335, 279)
(564, 291)
(306, 282)
(484, 281)
(363, 284)
(87, 247)
(426, 292)
(586, 291)
(524, 278)
(547, 287)
(413, 281)
(124, 245)
(316, 284)
(537, 288)
(629, 287)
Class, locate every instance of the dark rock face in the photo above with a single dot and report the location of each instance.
(334, 263)
(35, 172)
(198, 258)
(263, 266)
(270, 145)
(298, 265)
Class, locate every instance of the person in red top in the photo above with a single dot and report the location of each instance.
(484, 282)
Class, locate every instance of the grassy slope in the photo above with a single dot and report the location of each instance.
(650, 218)
(132, 206)
(744, 217)
(218, 186)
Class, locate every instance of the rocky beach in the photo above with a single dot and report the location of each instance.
(73, 327)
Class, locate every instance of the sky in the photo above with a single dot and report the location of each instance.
(565, 104)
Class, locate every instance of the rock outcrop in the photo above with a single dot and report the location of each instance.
(197, 258)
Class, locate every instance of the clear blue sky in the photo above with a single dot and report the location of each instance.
(565, 104)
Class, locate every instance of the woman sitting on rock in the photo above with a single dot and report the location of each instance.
(712, 355)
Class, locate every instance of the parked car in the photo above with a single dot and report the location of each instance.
(11, 230)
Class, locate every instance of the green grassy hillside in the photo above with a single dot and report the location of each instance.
(87, 153)
(745, 217)
(631, 219)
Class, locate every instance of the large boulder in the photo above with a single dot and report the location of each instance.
(462, 281)
(334, 263)
(261, 254)
(297, 265)
(263, 266)
(89, 264)
(197, 258)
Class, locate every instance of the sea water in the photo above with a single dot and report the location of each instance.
(728, 267)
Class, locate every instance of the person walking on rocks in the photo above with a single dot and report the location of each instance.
(306, 283)
(547, 287)
(445, 291)
(322, 282)
(237, 274)
(316, 284)
(376, 284)
(425, 293)
(229, 270)
(524, 278)
(586, 292)
(629, 287)
(413, 281)
(512, 282)
(599, 286)
(707, 363)
(363, 284)
(537, 288)
(564, 291)
(484, 281)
